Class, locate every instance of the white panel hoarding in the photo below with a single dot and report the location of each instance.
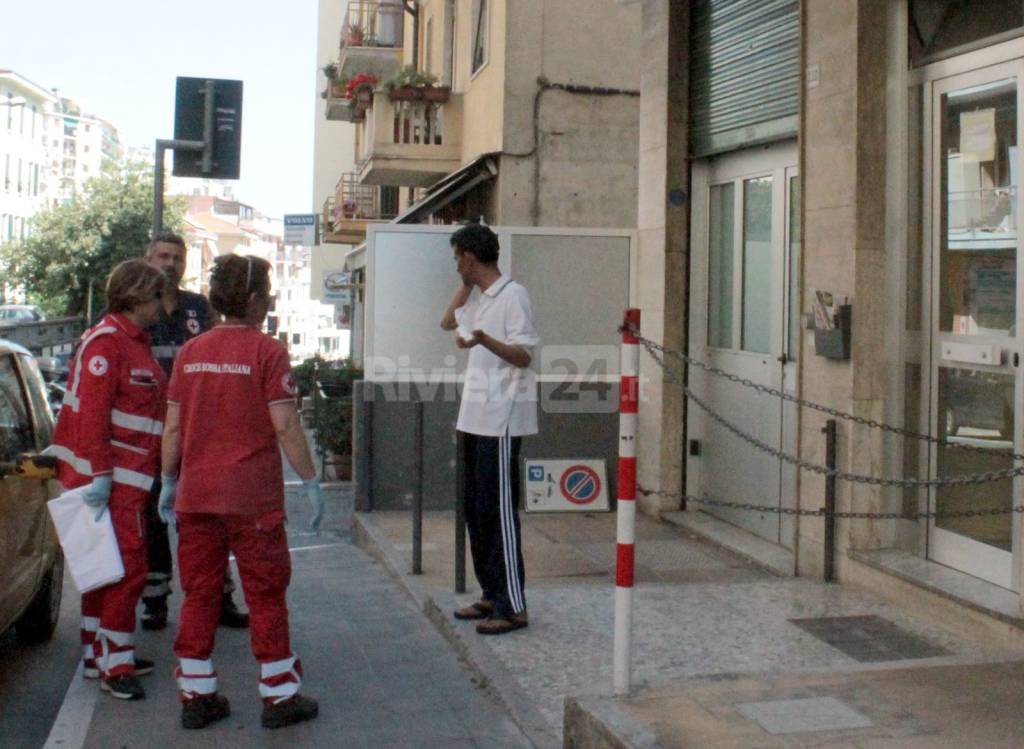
(579, 282)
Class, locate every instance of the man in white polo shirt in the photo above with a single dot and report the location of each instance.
(498, 408)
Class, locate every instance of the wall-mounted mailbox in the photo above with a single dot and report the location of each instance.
(834, 343)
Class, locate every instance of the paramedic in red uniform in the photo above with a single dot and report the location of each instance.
(108, 439)
(231, 410)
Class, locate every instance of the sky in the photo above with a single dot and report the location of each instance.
(119, 60)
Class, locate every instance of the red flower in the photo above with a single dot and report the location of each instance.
(358, 81)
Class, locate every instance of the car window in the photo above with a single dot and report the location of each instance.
(15, 428)
(36, 387)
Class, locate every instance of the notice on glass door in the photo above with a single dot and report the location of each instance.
(993, 298)
(978, 135)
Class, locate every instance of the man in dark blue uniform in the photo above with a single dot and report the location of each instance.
(186, 315)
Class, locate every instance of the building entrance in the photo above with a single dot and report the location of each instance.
(744, 319)
(973, 130)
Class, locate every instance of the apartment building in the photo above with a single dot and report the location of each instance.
(517, 115)
(81, 146)
(26, 124)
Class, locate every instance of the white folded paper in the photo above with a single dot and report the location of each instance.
(90, 546)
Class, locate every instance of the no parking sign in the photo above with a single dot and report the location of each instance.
(566, 486)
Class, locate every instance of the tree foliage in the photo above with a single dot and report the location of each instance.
(77, 244)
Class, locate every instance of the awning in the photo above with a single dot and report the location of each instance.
(449, 189)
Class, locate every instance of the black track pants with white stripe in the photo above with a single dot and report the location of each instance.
(491, 486)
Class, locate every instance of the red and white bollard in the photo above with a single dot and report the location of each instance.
(629, 398)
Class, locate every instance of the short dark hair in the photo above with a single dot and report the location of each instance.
(133, 283)
(479, 241)
(233, 279)
(168, 237)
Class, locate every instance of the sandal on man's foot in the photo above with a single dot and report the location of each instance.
(477, 610)
(501, 626)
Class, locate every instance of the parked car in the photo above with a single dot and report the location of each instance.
(31, 563)
(16, 313)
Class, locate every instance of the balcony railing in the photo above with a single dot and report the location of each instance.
(353, 206)
(409, 143)
(354, 200)
(373, 23)
(371, 38)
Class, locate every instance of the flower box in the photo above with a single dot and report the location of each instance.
(432, 94)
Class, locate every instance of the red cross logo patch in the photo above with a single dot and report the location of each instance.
(98, 366)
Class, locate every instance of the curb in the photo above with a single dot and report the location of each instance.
(599, 723)
(436, 607)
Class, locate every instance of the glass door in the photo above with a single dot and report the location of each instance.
(744, 277)
(976, 315)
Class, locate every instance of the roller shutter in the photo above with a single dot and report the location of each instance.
(744, 73)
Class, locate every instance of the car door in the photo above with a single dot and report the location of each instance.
(24, 525)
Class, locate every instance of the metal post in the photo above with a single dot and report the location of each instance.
(158, 189)
(626, 508)
(158, 172)
(209, 102)
(369, 447)
(460, 515)
(417, 499)
(830, 501)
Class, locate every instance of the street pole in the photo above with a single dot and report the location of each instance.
(158, 172)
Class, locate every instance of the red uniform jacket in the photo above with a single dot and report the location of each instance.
(113, 413)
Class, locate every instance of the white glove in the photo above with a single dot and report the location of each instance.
(165, 505)
(316, 500)
(97, 494)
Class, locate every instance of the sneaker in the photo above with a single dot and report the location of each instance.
(154, 617)
(201, 711)
(124, 687)
(230, 616)
(293, 710)
(90, 669)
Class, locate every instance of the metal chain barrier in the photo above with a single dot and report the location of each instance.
(972, 478)
(828, 410)
(708, 501)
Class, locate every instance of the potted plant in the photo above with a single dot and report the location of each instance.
(353, 35)
(334, 434)
(335, 83)
(409, 84)
(360, 88)
(334, 415)
(305, 373)
(349, 207)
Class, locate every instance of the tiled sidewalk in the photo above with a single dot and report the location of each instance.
(700, 612)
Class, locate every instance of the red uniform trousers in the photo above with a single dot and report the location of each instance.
(111, 609)
(260, 546)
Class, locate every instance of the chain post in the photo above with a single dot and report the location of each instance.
(460, 514)
(629, 401)
(417, 499)
(830, 433)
